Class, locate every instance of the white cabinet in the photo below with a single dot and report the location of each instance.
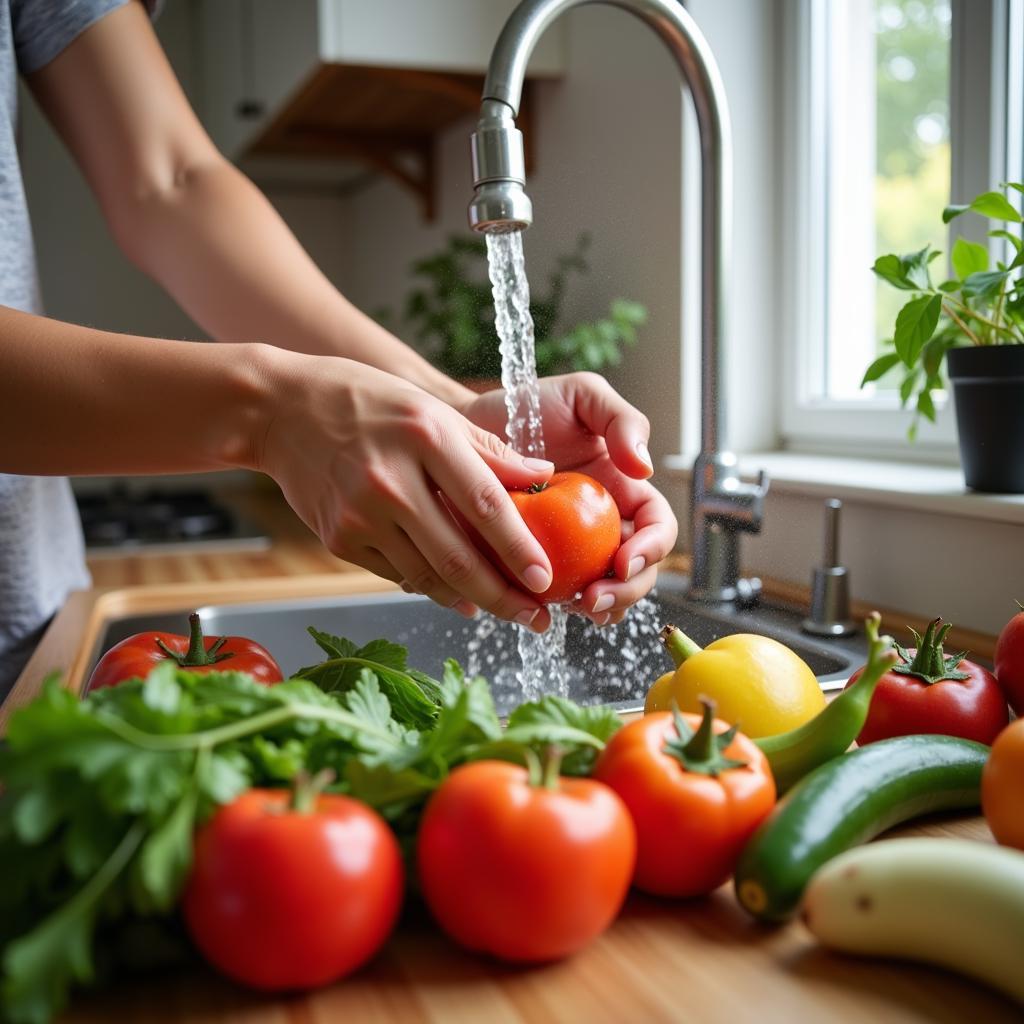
(267, 63)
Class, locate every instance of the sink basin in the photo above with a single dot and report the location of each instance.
(613, 666)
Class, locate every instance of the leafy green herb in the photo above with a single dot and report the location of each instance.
(979, 306)
(101, 797)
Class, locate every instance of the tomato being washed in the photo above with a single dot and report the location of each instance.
(293, 892)
(577, 523)
(136, 655)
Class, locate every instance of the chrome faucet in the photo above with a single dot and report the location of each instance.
(721, 504)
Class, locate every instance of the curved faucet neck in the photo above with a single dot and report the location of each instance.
(677, 29)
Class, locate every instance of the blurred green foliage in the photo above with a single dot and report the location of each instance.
(449, 315)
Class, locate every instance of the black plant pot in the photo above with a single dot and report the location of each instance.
(988, 391)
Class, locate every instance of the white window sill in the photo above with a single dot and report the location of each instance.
(925, 488)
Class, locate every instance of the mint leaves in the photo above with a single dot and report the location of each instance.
(101, 797)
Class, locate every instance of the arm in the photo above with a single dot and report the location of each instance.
(358, 453)
(192, 221)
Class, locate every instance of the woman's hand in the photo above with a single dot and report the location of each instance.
(589, 427)
(361, 455)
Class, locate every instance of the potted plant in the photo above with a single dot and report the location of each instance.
(449, 315)
(975, 323)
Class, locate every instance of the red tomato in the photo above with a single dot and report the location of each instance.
(137, 655)
(1010, 662)
(930, 692)
(524, 872)
(287, 899)
(696, 791)
(577, 523)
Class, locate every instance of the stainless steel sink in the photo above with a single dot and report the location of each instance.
(614, 666)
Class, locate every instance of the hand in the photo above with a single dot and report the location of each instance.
(591, 428)
(361, 456)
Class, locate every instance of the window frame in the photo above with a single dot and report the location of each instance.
(987, 146)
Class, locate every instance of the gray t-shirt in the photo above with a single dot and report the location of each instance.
(41, 551)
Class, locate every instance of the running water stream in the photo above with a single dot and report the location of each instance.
(542, 655)
(544, 666)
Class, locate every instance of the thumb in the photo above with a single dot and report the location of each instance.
(515, 471)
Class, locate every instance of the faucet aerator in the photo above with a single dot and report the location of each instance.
(498, 207)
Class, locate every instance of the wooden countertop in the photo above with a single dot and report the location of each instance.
(701, 962)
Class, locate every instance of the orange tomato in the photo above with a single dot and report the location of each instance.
(696, 792)
(1002, 786)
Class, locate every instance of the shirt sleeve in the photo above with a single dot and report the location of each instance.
(44, 28)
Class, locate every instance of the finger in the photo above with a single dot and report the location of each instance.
(654, 536)
(626, 430)
(419, 577)
(515, 471)
(370, 558)
(459, 565)
(472, 487)
(610, 595)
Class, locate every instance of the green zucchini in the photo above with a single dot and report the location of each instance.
(846, 802)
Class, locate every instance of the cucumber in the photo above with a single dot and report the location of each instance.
(951, 902)
(846, 802)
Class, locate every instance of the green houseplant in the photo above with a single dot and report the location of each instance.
(449, 315)
(973, 323)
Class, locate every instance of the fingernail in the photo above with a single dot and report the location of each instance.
(603, 603)
(405, 586)
(540, 465)
(644, 455)
(603, 620)
(635, 565)
(526, 616)
(537, 578)
(466, 608)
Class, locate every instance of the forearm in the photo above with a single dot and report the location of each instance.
(79, 401)
(218, 246)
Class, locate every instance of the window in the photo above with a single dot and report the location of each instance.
(898, 105)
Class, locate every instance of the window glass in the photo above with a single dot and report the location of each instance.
(887, 168)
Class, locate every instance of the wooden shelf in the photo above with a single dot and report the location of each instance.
(388, 118)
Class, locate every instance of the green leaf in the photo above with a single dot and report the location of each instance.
(166, 856)
(880, 367)
(552, 719)
(915, 324)
(995, 206)
(907, 387)
(925, 405)
(908, 272)
(39, 967)
(985, 284)
(890, 268)
(410, 703)
(954, 210)
(1016, 242)
(968, 257)
(391, 791)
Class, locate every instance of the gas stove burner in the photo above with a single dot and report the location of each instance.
(157, 518)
